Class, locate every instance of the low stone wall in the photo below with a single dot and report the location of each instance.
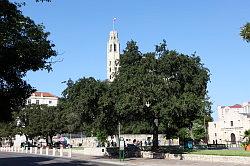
(213, 158)
(148, 138)
(98, 151)
(194, 157)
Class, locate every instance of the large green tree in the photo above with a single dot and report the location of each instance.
(164, 89)
(245, 32)
(24, 46)
(7, 131)
(40, 120)
(25, 121)
(91, 101)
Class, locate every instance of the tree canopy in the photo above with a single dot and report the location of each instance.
(91, 101)
(245, 32)
(40, 120)
(157, 91)
(24, 46)
(164, 90)
(247, 136)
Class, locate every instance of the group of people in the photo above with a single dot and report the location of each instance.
(135, 142)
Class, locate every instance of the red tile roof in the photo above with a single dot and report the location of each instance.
(44, 94)
(236, 106)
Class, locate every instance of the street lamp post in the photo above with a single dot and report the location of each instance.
(205, 129)
(204, 121)
(155, 130)
(119, 130)
(65, 82)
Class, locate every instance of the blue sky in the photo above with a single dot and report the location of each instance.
(210, 28)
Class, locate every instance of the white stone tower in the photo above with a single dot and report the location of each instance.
(113, 55)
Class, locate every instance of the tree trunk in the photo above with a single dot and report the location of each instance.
(155, 138)
(50, 139)
(26, 137)
(191, 131)
(47, 141)
(10, 140)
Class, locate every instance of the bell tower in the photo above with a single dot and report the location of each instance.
(113, 55)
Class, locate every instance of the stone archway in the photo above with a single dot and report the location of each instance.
(233, 138)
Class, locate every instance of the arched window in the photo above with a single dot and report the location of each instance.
(233, 138)
(115, 47)
(110, 48)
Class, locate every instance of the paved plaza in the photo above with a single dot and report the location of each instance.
(154, 162)
(10, 159)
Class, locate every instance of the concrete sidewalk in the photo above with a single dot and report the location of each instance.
(150, 162)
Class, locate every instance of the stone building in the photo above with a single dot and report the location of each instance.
(231, 124)
(42, 98)
(113, 55)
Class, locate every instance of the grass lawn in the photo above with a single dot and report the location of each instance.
(222, 152)
(77, 148)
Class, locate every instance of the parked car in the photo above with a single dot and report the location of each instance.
(61, 144)
(132, 151)
(27, 144)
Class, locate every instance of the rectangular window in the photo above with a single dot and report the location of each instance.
(115, 69)
(214, 125)
(215, 134)
(29, 101)
(110, 69)
(37, 102)
(232, 123)
(109, 63)
(50, 102)
(115, 47)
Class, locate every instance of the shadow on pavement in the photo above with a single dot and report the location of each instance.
(40, 161)
(109, 158)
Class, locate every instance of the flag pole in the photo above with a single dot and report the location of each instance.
(114, 23)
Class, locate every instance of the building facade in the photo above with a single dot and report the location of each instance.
(231, 124)
(40, 98)
(113, 55)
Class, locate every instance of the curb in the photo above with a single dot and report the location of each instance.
(112, 162)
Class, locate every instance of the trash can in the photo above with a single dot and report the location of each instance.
(188, 144)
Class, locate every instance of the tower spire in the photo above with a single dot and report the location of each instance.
(114, 23)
